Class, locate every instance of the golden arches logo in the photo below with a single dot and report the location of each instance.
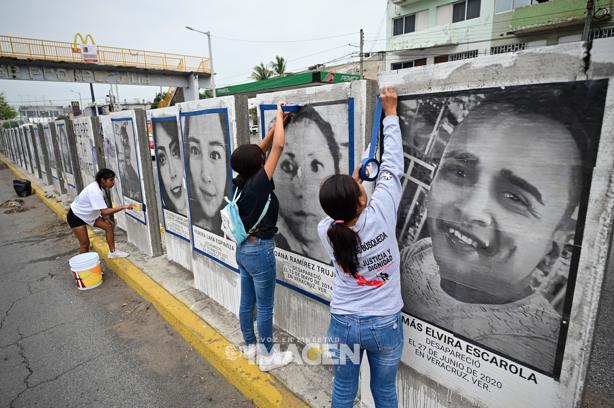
(78, 37)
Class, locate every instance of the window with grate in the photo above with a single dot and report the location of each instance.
(502, 49)
(463, 55)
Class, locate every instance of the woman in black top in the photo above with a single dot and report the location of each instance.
(255, 256)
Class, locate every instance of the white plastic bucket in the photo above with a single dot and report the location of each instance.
(86, 270)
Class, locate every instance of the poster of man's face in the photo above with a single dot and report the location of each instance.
(206, 146)
(169, 160)
(317, 139)
(128, 164)
(494, 197)
(63, 141)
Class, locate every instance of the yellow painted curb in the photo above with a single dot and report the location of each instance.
(260, 387)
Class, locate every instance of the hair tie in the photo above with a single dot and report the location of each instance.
(339, 221)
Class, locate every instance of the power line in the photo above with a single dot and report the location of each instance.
(282, 41)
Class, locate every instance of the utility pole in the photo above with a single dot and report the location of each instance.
(589, 17)
(212, 81)
(94, 107)
(362, 44)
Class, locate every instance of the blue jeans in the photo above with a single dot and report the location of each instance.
(382, 338)
(257, 266)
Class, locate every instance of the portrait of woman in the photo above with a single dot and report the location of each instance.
(170, 167)
(312, 152)
(131, 184)
(206, 147)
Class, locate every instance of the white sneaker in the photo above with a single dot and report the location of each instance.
(249, 351)
(118, 254)
(274, 360)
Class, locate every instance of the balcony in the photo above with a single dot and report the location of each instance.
(552, 14)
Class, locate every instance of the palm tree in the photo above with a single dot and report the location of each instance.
(261, 72)
(278, 65)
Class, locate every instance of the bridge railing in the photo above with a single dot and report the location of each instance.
(29, 48)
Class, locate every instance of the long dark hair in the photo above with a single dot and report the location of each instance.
(339, 199)
(246, 160)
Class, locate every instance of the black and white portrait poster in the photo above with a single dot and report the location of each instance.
(112, 162)
(207, 146)
(318, 140)
(171, 174)
(490, 230)
(129, 164)
(67, 169)
(86, 149)
(50, 151)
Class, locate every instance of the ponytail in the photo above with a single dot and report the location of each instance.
(339, 199)
(344, 241)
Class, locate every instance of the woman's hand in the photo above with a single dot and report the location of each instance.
(356, 174)
(280, 106)
(388, 97)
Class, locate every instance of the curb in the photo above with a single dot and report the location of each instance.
(262, 388)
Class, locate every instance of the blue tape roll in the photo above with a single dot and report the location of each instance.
(291, 108)
(362, 173)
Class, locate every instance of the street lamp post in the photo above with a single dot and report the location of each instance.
(208, 34)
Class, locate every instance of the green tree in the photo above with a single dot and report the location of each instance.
(6, 110)
(261, 72)
(278, 65)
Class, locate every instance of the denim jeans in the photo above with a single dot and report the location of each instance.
(257, 266)
(382, 338)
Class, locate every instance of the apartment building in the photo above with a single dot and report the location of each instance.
(421, 32)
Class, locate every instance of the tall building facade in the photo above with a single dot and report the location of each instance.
(421, 32)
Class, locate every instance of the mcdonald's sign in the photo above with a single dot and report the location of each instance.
(88, 52)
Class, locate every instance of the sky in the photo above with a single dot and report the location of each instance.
(244, 33)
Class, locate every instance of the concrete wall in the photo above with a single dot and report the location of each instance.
(425, 384)
(302, 295)
(102, 130)
(135, 172)
(170, 171)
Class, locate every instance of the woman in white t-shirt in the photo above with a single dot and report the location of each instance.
(89, 208)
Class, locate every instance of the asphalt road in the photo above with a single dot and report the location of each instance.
(61, 347)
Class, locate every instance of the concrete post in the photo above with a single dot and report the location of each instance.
(26, 139)
(153, 221)
(190, 92)
(46, 165)
(33, 131)
(58, 158)
(99, 143)
(74, 157)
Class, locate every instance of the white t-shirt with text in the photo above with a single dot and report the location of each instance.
(88, 203)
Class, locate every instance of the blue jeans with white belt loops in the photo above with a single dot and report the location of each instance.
(382, 338)
(257, 267)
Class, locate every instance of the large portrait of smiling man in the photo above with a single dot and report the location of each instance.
(490, 223)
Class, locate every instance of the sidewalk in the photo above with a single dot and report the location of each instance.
(210, 329)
